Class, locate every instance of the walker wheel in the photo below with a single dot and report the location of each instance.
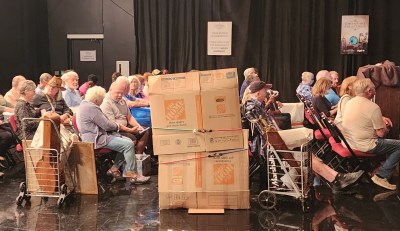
(19, 200)
(267, 220)
(60, 201)
(267, 200)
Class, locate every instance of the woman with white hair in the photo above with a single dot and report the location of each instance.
(95, 127)
(305, 87)
(24, 109)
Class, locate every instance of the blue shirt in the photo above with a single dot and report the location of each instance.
(72, 97)
(305, 91)
(332, 97)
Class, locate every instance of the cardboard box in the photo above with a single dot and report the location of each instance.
(221, 109)
(143, 164)
(205, 200)
(175, 143)
(174, 83)
(198, 172)
(219, 79)
(180, 113)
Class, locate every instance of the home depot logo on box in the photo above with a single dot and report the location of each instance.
(221, 104)
(175, 109)
(224, 174)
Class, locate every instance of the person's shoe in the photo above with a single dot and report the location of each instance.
(383, 182)
(139, 179)
(343, 180)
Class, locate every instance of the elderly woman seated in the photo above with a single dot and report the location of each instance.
(52, 100)
(95, 127)
(24, 109)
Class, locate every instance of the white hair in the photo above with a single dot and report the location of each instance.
(248, 71)
(95, 93)
(323, 74)
(68, 75)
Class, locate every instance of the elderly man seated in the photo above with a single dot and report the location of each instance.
(95, 127)
(13, 94)
(43, 79)
(71, 95)
(116, 109)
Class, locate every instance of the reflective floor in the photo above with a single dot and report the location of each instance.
(127, 207)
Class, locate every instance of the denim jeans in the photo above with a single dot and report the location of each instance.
(126, 151)
(391, 148)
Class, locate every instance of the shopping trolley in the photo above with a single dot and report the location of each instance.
(45, 167)
(285, 180)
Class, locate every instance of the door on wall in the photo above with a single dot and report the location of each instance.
(85, 56)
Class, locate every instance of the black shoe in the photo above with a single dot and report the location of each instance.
(343, 180)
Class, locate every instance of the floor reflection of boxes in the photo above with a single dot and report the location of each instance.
(143, 164)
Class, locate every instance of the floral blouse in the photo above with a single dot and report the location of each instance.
(23, 110)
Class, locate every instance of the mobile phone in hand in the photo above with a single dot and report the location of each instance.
(144, 130)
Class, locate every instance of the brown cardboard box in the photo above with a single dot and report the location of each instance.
(197, 172)
(179, 113)
(175, 143)
(219, 79)
(205, 200)
(174, 83)
(221, 109)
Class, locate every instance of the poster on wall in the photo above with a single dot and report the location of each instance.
(354, 39)
(87, 56)
(219, 38)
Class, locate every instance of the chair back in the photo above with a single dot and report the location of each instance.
(75, 124)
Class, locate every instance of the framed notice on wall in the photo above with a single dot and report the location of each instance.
(354, 38)
(219, 40)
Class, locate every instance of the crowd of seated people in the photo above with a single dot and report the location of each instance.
(360, 120)
(116, 128)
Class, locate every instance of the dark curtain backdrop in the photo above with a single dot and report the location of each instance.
(24, 40)
(282, 38)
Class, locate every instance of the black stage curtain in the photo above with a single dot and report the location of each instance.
(24, 40)
(282, 38)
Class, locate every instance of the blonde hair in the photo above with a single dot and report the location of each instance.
(320, 87)
(139, 84)
(361, 86)
(347, 82)
(246, 95)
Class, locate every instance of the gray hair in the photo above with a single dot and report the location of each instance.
(45, 77)
(27, 85)
(95, 93)
(16, 80)
(361, 86)
(68, 75)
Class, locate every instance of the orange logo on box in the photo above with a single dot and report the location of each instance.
(221, 106)
(221, 109)
(177, 171)
(175, 109)
(224, 174)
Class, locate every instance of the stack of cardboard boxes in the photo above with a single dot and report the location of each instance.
(203, 161)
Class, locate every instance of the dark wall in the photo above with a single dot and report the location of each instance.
(23, 40)
(114, 19)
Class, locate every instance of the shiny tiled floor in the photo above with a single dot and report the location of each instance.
(128, 207)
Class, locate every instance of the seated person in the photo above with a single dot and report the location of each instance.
(95, 127)
(24, 109)
(364, 128)
(305, 87)
(116, 110)
(71, 95)
(346, 93)
(145, 85)
(5, 106)
(255, 108)
(13, 94)
(331, 95)
(114, 76)
(91, 81)
(319, 101)
(6, 141)
(249, 71)
(251, 78)
(51, 100)
(131, 101)
(43, 79)
(135, 87)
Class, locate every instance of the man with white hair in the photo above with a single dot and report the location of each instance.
(332, 97)
(13, 94)
(71, 95)
(249, 71)
(364, 128)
